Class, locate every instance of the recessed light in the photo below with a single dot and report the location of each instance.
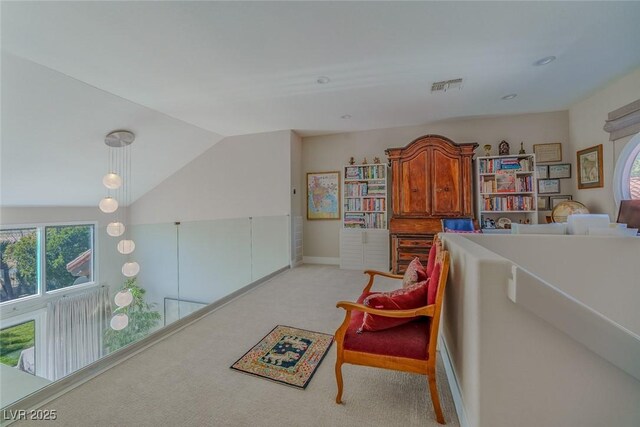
(510, 96)
(346, 116)
(323, 80)
(544, 61)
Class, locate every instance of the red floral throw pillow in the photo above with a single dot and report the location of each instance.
(414, 273)
(401, 299)
(433, 284)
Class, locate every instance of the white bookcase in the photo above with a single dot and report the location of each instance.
(364, 238)
(506, 189)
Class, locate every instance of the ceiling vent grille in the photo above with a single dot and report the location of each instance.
(445, 85)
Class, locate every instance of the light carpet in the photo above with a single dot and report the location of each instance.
(185, 379)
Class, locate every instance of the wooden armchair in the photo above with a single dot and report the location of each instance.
(410, 347)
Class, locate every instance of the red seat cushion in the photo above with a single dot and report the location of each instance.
(401, 299)
(413, 336)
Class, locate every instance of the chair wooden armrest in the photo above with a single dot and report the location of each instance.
(426, 310)
(373, 273)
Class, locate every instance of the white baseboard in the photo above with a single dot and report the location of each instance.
(453, 384)
(321, 260)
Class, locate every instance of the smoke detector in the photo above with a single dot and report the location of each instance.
(445, 85)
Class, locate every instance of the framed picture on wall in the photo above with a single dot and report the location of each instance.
(554, 200)
(543, 203)
(590, 167)
(546, 153)
(542, 171)
(548, 186)
(562, 170)
(323, 195)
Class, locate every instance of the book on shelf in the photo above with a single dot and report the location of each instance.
(508, 203)
(516, 164)
(505, 181)
(524, 184)
(355, 189)
(377, 188)
(365, 172)
(354, 220)
(352, 172)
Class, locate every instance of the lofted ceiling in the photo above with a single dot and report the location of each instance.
(184, 74)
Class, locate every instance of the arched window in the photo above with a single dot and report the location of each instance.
(626, 179)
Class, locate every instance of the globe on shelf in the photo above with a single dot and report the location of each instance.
(123, 298)
(112, 181)
(115, 229)
(119, 321)
(130, 269)
(125, 247)
(108, 205)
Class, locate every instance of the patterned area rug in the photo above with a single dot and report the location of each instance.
(286, 355)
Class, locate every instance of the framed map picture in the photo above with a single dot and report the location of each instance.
(323, 195)
(590, 167)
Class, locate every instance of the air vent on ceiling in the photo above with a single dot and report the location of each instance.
(445, 85)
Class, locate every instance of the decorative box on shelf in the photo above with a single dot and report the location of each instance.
(507, 191)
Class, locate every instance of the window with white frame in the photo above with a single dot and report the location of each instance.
(17, 346)
(36, 260)
(627, 172)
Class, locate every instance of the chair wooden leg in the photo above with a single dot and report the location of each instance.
(435, 398)
(339, 379)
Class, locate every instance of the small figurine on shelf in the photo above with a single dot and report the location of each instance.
(521, 148)
(364, 161)
(503, 148)
(376, 160)
(489, 223)
(487, 149)
(352, 161)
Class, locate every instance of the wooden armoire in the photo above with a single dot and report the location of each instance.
(432, 178)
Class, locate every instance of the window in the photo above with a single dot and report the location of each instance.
(63, 253)
(68, 256)
(17, 346)
(626, 179)
(18, 263)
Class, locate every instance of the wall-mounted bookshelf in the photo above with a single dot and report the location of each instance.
(507, 190)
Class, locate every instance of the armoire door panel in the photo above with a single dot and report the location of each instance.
(414, 196)
(446, 184)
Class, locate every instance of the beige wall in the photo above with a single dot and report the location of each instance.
(240, 176)
(296, 175)
(586, 120)
(332, 152)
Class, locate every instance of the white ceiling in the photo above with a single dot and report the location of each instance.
(246, 67)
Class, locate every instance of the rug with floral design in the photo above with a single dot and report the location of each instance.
(286, 355)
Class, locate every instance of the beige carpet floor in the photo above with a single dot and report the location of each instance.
(185, 379)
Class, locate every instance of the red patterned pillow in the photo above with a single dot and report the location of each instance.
(433, 284)
(414, 273)
(401, 299)
(432, 260)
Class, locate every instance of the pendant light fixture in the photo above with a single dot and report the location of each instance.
(118, 184)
